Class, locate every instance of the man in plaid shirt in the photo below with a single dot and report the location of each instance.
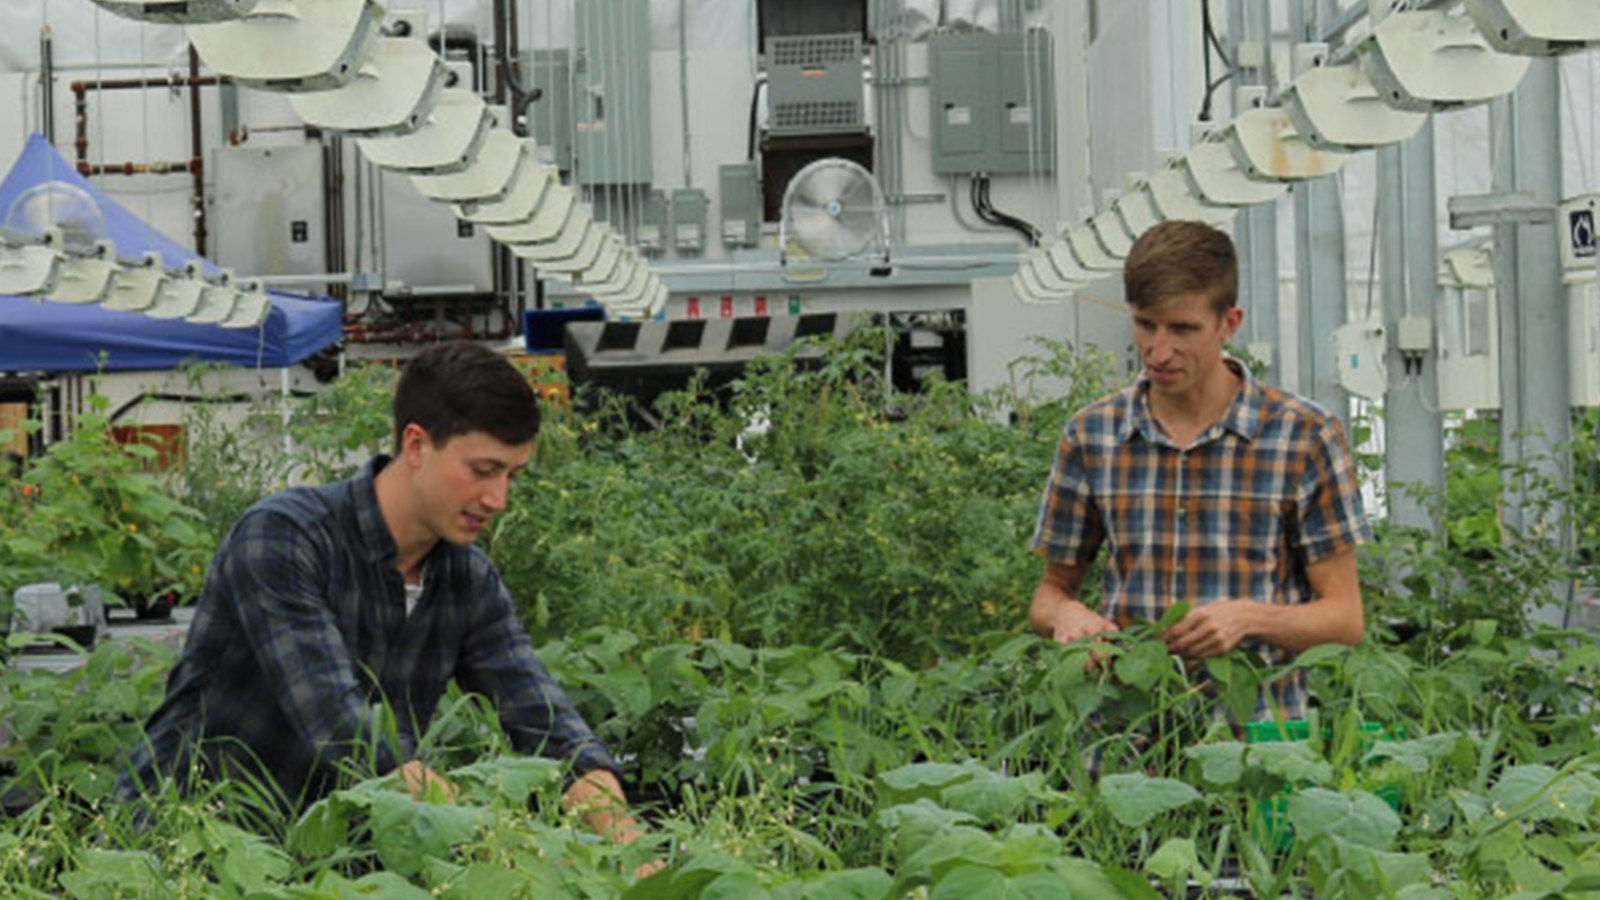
(1204, 485)
(326, 602)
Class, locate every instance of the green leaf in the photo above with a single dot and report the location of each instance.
(995, 798)
(1176, 860)
(103, 874)
(1417, 756)
(1142, 665)
(512, 777)
(406, 831)
(1540, 793)
(1292, 761)
(915, 825)
(852, 884)
(1135, 799)
(1174, 614)
(961, 844)
(982, 883)
(1221, 764)
(1089, 881)
(1357, 817)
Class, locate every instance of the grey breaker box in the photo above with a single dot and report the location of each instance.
(689, 207)
(653, 223)
(611, 92)
(740, 204)
(268, 210)
(547, 79)
(815, 84)
(993, 103)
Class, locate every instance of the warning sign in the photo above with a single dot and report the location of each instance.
(1580, 223)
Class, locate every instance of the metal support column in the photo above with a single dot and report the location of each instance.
(1070, 22)
(1535, 395)
(1408, 235)
(1321, 295)
(1255, 230)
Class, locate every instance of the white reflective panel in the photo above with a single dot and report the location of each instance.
(180, 296)
(627, 267)
(629, 291)
(1031, 291)
(86, 279)
(658, 299)
(606, 263)
(1266, 147)
(1086, 248)
(1538, 27)
(1429, 60)
(1337, 108)
(1175, 200)
(28, 269)
(392, 93)
(528, 184)
(566, 244)
(1045, 273)
(216, 304)
(1215, 175)
(1138, 210)
(547, 222)
(1109, 232)
(135, 288)
(178, 12)
(588, 251)
(486, 180)
(292, 45)
(1066, 266)
(250, 309)
(449, 139)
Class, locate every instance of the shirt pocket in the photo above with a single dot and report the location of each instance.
(1257, 534)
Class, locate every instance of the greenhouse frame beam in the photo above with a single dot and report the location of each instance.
(1535, 394)
(1321, 294)
(1408, 266)
(1255, 230)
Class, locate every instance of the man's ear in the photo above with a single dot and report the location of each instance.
(413, 439)
(1232, 319)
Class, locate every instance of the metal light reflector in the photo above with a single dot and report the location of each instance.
(1174, 199)
(1046, 274)
(486, 179)
(391, 95)
(250, 308)
(87, 278)
(1031, 291)
(529, 182)
(1266, 147)
(29, 266)
(136, 286)
(178, 12)
(1086, 248)
(216, 301)
(627, 292)
(581, 259)
(1215, 175)
(1537, 27)
(1429, 60)
(1338, 108)
(292, 45)
(605, 264)
(565, 246)
(1109, 232)
(617, 280)
(448, 140)
(546, 223)
(1138, 210)
(1066, 264)
(180, 296)
(638, 304)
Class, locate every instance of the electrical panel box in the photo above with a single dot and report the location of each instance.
(547, 82)
(815, 84)
(1359, 349)
(651, 235)
(689, 207)
(741, 204)
(992, 103)
(267, 210)
(426, 248)
(611, 92)
(1414, 334)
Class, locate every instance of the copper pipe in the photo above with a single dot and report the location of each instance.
(154, 167)
(195, 153)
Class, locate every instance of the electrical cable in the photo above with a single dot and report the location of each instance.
(1209, 43)
(987, 212)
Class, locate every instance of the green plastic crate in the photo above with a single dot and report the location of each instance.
(1272, 815)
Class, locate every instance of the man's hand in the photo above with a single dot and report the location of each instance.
(1072, 621)
(1213, 629)
(425, 784)
(598, 800)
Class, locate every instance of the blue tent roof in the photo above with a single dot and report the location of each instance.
(38, 335)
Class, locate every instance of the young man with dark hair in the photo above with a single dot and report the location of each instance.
(1208, 487)
(326, 602)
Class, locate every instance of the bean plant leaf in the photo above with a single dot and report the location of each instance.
(994, 798)
(853, 884)
(925, 779)
(104, 874)
(915, 825)
(975, 882)
(1418, 756)
(1220, 764)
(1176, 860)
(406, 831)
(1089, 881)
(513, 778)
(1292, 761)
(1378, 872)
(1357, 817)
(1134, 799)
(735, 886)
(1174, 614)
(1540, 794)
(962, 844)
(1141, 665)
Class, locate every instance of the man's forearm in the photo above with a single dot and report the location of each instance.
(1297, 628)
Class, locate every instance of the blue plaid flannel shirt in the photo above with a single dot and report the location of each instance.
(1239, 514)
(301, 633)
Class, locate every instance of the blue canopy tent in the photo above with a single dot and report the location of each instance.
(39, 335)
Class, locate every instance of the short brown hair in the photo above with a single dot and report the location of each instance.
(451, 389)
(1176, 259)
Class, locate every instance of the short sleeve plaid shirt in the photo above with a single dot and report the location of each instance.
(1268, 489)
(302, 631)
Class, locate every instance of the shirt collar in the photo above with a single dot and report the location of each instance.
(377, 543)
(1243, 417)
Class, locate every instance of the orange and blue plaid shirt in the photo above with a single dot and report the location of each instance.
(1238, 514)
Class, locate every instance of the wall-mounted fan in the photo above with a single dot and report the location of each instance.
(833, 210)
